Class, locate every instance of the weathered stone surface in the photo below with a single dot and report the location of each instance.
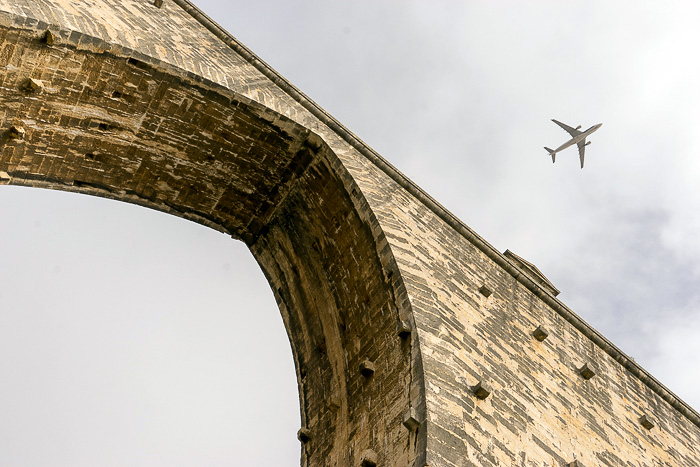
(154, 105)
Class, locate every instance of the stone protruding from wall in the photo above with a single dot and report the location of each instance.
(415, 341)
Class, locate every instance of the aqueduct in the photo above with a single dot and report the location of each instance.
(415, 341)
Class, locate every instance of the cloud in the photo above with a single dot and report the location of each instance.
(676, 356)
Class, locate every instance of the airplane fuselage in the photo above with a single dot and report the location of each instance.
(578, 138)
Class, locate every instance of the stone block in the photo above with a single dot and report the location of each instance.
(540, 333)
(586, 371)
(481, 390)
(647, 422)
(410, 419)
(485, 291)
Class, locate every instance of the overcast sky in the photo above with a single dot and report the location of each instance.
(129, 337)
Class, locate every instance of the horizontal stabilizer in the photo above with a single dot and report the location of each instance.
(551, 153)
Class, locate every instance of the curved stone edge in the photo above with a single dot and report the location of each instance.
(443, 213)
(92, 44)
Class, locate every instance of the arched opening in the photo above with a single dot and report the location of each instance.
(130, 337)
(111, 125)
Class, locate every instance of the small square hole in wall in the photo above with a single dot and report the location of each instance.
(368, 458)
(158, 3)
(31, 85)
(16, 132)
(366, 368)
(48, 38)
(485, 291)
(403, 329)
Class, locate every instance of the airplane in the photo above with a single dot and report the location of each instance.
(577, 137)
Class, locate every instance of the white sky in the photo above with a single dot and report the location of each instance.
(131, 337)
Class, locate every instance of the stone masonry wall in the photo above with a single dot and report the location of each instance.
(352, 249)
(541, 411)
(81, 114)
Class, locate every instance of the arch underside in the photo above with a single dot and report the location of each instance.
(86, 120)
(193, 124)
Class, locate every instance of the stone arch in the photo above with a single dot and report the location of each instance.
(87, 115)
(153, 103)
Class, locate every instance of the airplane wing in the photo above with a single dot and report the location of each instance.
(572, 131)
(581, 150)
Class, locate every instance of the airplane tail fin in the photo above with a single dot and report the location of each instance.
(551, 153)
